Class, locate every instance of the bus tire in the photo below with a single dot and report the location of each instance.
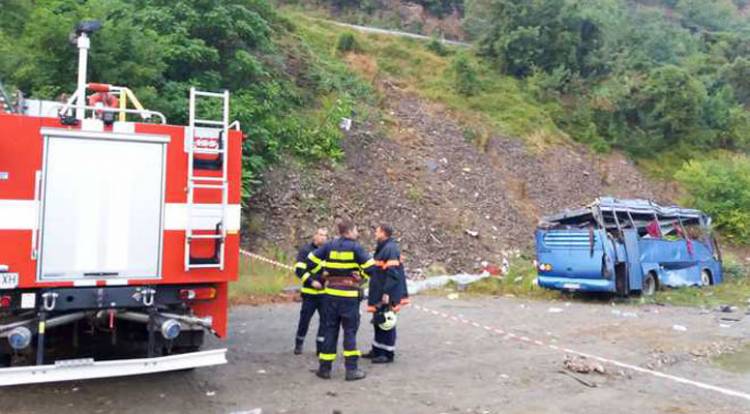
(649, 284)
(706, 279)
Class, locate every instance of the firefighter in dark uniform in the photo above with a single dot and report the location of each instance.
(312, 293)
(344, 265)
(387, 292)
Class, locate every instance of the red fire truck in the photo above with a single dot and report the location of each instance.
(117, 238)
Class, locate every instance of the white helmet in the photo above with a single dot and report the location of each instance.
(389, 320)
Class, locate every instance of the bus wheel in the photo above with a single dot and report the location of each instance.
(705, 278)
(649, 285)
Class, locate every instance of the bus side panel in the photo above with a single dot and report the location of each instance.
(675, 264)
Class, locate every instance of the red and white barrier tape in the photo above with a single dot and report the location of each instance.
(265, 259)
(512, 336)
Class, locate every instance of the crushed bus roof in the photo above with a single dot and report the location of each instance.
(632, 206)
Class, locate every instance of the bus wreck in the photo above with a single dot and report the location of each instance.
(626, 246)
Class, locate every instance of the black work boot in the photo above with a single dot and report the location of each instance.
(324, 370)
(382, 359)
(298, 348)
(369, 355)
(354, 374)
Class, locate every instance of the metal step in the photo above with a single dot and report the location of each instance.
(89, 369)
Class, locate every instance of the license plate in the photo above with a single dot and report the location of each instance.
(571, 286)
(8, 280)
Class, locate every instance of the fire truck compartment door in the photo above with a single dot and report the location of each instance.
(102, 206)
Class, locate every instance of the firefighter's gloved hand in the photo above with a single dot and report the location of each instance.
(386, 299)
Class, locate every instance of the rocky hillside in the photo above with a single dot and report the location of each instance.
(453, 205)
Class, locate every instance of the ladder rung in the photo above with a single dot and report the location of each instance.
(210, 94)
(204, 266)
(208, 186)
(205, 236)
(208, 122)
(201, 178)
(207, 151)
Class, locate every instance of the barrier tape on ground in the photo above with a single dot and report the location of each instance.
(265, 259)
(512, 336)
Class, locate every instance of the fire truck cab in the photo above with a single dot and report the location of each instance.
(119, 233)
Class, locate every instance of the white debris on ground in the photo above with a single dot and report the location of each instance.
(435, 282)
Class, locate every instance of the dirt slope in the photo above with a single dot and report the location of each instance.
(437, 189)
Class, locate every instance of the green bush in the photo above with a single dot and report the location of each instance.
(721, 188)
(347, 43)
(437, 47)
(465, 78)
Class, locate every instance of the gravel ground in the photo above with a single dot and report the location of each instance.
(443, 366)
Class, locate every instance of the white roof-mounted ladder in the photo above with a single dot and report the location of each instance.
(198, 182)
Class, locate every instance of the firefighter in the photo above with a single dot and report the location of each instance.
(387, 293)
(344, 264)
(312, 292)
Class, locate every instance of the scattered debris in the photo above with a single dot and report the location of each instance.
(472, 233)
(506, 266)
(210, 393)
(582, 365)
(453, 296)
(726, 308)
(253, 411)
(660, 359)
(332, 393)
(554, 310)
(679, 328)
(346, 124)
(261, 371)
(577, 378)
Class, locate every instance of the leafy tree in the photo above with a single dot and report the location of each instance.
(737, 74)
(544, 34)
(721, 187)
(671, 103)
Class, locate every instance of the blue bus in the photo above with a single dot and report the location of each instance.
(626, 246)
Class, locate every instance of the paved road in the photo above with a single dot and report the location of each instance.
(445, 365)
(368, 29)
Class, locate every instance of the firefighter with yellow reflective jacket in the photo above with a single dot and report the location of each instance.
(311, 292)
(344, 265)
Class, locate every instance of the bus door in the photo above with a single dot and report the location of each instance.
(633, 253)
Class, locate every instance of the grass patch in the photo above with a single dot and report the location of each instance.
(520, 282)
(500, 105)
(259, 278)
